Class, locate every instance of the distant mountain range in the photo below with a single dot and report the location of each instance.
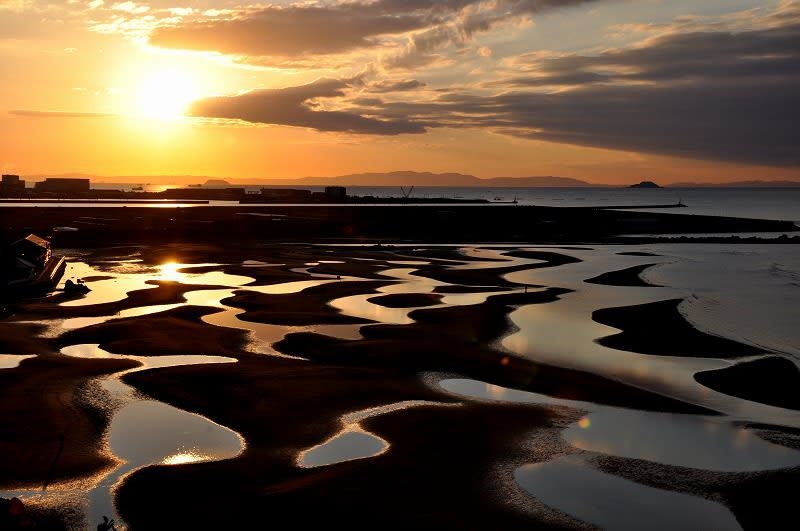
(412, 178)
(404, 178)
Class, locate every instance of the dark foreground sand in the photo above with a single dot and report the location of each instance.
(449, 465)
(49, 432)
(631, 276)
(758, 500)
(659, 328)
(772, 380)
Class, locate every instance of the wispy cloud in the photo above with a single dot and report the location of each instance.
(58, 114)
(409, 32)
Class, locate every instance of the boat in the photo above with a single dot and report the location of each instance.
(30, 268)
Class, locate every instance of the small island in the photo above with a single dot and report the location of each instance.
(645, 184)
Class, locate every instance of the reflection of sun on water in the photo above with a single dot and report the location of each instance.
(184, 457)
(166, 94)
(171, 271)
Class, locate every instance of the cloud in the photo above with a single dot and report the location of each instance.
(703, 95)
(58, 114)
(396, 86)
(338, 28)
(293, 30)
(677, 57)
(14, 5)
(475, 17)
(702, 91)
(300, 107)
(749, 122)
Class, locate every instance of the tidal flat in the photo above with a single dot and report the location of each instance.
(462, 386)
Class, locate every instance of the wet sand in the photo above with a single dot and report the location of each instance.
(659, 328)
(637, 253)
(460, 340)
(630, 276)
(171, 333)
(22, 338)
(407, 300)
(759, 500)
(447, 467)
(163, 292)
(49, 431)
(774, 381)
(496, 275)
(308, 307)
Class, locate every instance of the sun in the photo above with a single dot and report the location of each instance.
(166, 94)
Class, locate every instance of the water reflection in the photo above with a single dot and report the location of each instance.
(487, 258)
(348, 445)
(694, 441)
(141, 432)
(353, 441)
(263, 335)
(562, 333)
(10, 361)
(761, 310)
(613, 503)
(360, 305)
(120, 284)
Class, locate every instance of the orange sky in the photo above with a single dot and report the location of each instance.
(153, 88)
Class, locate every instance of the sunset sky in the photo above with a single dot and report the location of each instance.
(612, 91)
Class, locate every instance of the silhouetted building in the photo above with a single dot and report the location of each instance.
(60, 185)
(285, 195)
(11, 185)
(208, 194)
(337, 193)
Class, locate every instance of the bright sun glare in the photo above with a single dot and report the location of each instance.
(171, 271)
(166, 94)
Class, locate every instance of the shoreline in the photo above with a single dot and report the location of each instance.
(416, 223)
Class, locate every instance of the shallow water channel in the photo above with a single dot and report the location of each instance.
(144, 432)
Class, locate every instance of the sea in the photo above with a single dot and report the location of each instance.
(758, 203)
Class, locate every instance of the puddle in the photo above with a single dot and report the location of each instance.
(259, 263)
(562, 333)
(348, 445)
(693, 441)
(10, 361)
(290, 287)
(353, 441)
(81, 322)
(263, 335)
(492, 259)
(614, 503)
(117, 288)
(360, 306)
(760, 311)
(142, 432)
(407, 262)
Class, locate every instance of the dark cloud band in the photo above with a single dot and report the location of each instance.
(295, 106)
(738, 101)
